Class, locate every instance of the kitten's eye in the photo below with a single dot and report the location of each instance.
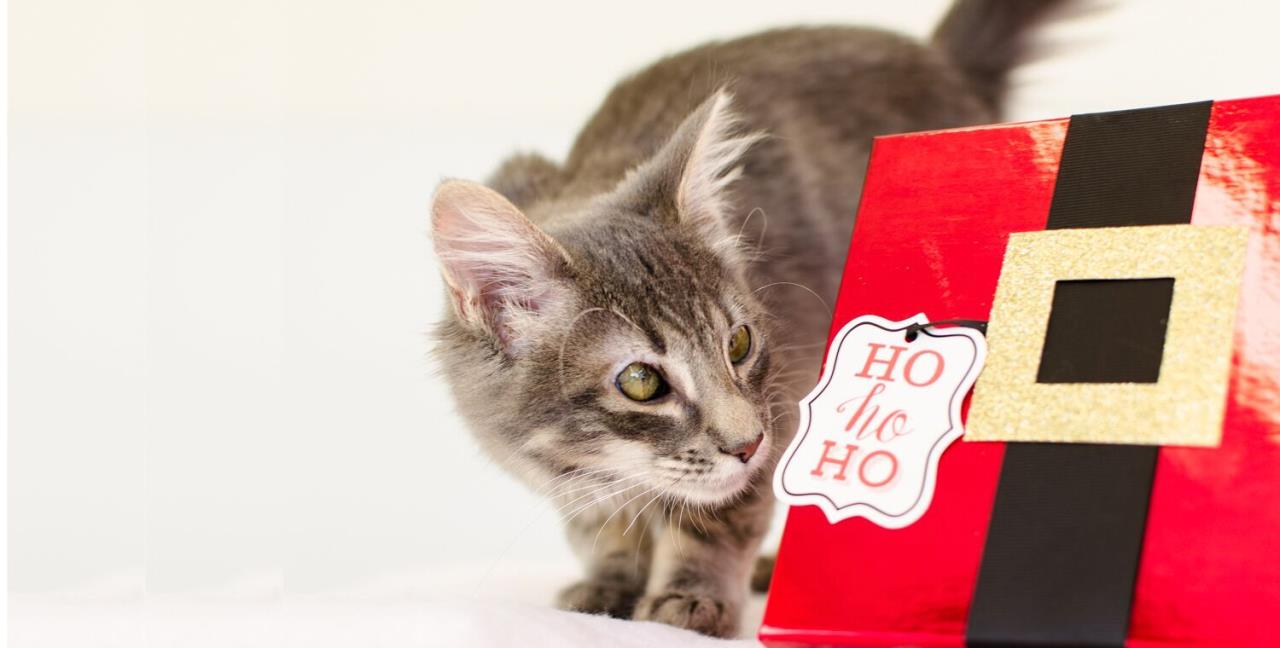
(641, 382)
(739, 344)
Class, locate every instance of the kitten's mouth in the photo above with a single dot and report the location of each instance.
(728, 480)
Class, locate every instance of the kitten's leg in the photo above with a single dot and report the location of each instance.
(617, 561)
(702, 564)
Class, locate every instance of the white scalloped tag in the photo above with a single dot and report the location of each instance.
(873, 430)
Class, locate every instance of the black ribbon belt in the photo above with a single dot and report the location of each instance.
(1065, 535)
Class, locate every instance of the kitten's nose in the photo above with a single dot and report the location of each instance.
(746, 451)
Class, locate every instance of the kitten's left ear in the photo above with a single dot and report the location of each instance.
(689, 179)
(505, 276)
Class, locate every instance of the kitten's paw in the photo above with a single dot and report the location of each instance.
(684, 610)
(598, 597)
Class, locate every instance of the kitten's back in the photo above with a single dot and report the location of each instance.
(853, 82)
(821, 94)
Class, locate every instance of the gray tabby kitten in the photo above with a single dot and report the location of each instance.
(629, 330)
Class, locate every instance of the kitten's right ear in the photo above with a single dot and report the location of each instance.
(689, 179)
(503, 274)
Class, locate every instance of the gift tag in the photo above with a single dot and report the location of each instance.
(886, 408)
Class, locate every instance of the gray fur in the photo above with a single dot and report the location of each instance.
(618, 255)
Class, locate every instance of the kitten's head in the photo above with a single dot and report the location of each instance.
(619, 345)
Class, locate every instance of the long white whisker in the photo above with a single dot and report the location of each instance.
(593, 503)
(562, 480)
(583, 473)
(764, 226)
(678, 542)
(644, 529)
(615, 512)
(596, 491)
(565, 342)
(598, 486)
(591, 477)
(646, 504)
(800, 286)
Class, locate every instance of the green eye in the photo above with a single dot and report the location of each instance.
(739, 344)
(641, 382)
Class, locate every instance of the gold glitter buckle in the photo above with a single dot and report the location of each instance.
(1184, 407)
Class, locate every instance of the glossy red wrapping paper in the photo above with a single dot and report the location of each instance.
(936, 212)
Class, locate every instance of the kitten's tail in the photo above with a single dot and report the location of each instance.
(988, 38)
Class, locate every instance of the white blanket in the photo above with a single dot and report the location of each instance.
(457, 608)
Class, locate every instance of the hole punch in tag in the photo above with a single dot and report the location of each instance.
(887, 406)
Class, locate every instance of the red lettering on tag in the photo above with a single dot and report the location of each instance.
(937, 369)
(893, 468)
(826, 459)
(849, 451)
(891, 427)
(873, 360)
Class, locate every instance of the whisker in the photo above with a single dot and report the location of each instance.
(603, 498)
(615, 512)
(592, 484)
(641, 512)
(664, 491)
(678, 542)
(764, 226)
(800, 286)
(644, 530)
(565, 342)
(549, 488)
(674, 522)
(602, 487)
(699, 521)
(592, 479)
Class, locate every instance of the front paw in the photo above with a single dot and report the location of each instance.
(599, 597)
(684, 610)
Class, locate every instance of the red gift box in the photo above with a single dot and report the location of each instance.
(936, 216)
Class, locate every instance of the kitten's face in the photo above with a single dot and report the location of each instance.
(658, 373)
(620, 346)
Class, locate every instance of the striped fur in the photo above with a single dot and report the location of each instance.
(673, 220)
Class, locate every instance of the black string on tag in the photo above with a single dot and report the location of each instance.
(913, 330)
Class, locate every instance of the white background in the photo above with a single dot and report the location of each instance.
(221, 281)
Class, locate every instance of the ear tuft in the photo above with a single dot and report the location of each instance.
(688, 180)
(713, 162)
(503, 273)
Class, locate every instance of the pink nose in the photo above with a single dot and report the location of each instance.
(746, 451)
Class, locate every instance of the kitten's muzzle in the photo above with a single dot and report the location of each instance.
(746, 451)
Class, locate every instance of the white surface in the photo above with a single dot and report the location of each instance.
(220, 280)
(446, 608)
(4, 326)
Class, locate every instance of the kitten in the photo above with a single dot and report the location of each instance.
(629, 330)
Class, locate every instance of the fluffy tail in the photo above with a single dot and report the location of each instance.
(988, 38)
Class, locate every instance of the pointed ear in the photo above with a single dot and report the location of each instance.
(689, 180)
(503, 274)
